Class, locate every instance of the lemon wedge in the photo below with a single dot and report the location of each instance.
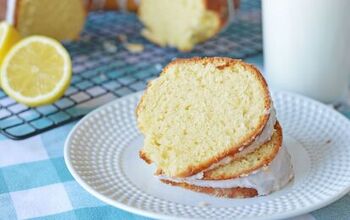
(36, 71)
(8, 37)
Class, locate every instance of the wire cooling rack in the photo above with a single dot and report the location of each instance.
(103, 69)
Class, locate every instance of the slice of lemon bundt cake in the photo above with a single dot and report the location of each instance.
(249, 162)
(199, 111)
(267, 169)
(261, 182)
(182, 24)
(210, 126)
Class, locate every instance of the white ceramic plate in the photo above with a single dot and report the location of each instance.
(101, 152)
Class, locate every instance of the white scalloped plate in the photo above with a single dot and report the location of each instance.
(101, 152)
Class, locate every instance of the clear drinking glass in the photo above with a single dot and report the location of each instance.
(307, 47)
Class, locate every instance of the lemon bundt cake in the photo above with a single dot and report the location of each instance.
(182, 24)
(210, 126)
(177, 23)
(261, 182)
(261, 172)
(201, 110)
(59, 19)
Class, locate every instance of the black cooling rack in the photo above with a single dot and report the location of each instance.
(105, 70)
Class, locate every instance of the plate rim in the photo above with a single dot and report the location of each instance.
(151, 214)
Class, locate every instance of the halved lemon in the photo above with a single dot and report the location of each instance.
(36, 71)
(8, 37)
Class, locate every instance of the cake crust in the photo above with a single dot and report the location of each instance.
(235, 192)
(220, 7)
(222, 62)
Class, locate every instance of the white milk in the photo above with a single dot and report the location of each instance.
(307, 46)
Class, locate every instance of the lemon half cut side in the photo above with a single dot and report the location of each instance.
(36, 71)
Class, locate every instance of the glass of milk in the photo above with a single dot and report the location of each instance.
(307, 47)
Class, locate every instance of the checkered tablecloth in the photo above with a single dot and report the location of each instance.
(35, 183)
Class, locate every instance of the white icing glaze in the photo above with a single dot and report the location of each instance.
(10, 11)
(265, 180)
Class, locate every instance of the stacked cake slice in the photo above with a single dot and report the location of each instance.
(210, 126)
